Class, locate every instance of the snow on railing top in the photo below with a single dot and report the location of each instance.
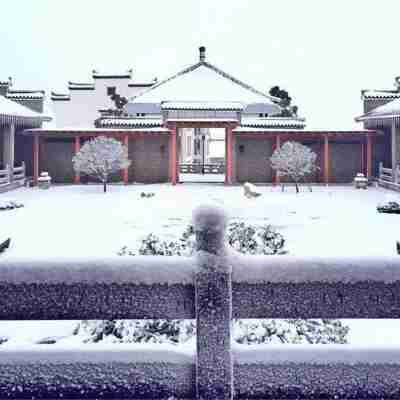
(320, 354)
(97, 353)
(280, 269)
(146, 270)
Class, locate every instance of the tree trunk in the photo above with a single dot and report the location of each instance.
(297, 187)
(104, 186)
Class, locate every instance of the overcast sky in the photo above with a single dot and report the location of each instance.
(322, 52)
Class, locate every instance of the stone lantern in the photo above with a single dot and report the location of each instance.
(360, 181)
(44, 180)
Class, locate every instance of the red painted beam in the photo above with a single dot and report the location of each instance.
(77, 148)
(369, 156)
(173, 156)
(125, 171)
(35, 159)
(229, 169)
(326, 160)
(277, 146)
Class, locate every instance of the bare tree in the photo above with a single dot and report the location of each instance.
(295, 161)
(100, 157)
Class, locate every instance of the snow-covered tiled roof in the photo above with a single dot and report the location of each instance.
(389, 110)
(199, 105)
(130, 122)
(273, 122)
(60, 96)
(13, 111)
(80, 86)
(25, 94)
(380, 94)
(111, 75)
(82, 130)
(204, 82)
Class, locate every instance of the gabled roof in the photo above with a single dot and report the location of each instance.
(389, 110)
(12, 111)
(204, 82)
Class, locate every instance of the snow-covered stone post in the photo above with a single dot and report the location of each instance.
(213, 287)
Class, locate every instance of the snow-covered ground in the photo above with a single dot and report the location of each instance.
(82, 221)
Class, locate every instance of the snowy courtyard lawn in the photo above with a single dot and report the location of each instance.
(83, 221)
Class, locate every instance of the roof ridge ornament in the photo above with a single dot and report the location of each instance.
(202, 53)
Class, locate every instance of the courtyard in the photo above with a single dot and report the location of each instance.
(82, 221)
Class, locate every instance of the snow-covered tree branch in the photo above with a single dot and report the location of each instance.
(100, 157)
(295, 161)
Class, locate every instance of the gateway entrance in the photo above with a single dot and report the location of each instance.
(201, 154)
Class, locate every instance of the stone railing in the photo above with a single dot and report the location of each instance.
(213, 287)
(389, 178)
(15, 176)
(193, 168)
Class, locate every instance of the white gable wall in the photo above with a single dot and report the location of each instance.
(83, 107)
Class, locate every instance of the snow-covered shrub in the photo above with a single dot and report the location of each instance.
(137, 331)
(9, 204)
(250, 239)
(100, 157)
(295, 331)
(295, 161)
(246, 239)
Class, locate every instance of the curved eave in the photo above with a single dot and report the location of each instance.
(367, 117)
(76, 131)
(6, 119)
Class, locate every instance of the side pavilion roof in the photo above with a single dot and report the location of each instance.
(204, 82)
(13, 112)
(389, 110)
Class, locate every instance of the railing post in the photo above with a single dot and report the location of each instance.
(9, 173)
(213, 288)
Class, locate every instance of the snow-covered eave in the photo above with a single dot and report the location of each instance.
(211, 120)
(60, 96)
(367, 117)
(150, 122)
(201, 105)
(274, 122)
(92, 131)
(80, 86)
(370, 94)
(301, 131)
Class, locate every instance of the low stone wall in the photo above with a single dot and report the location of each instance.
(214, 286)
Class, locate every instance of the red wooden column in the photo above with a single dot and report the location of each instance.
(77, 148)
(277, 146)
(229, 141)
(363, 164)
(369, 156)
(173, 159)
(125, 171)
(35, 159)
(326, 159)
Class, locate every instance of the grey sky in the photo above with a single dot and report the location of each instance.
(323, 52)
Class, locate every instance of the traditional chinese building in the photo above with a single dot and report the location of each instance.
(382, 113)
(19, 110)
(156, 122)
